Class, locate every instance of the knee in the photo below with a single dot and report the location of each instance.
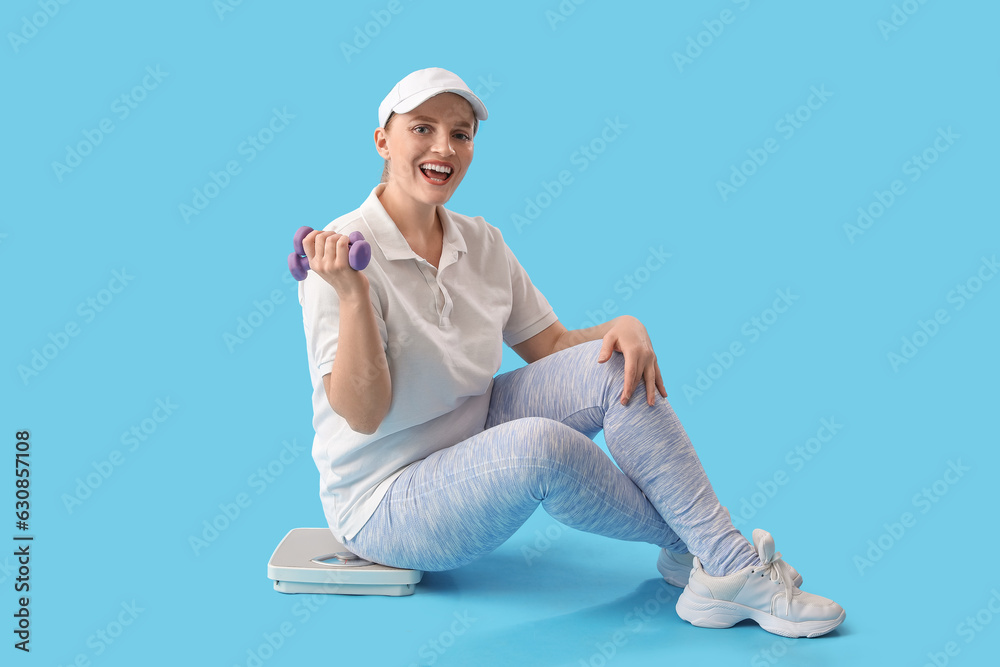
(545, 453)
(614, 376)
(553, 448)
(589, 351)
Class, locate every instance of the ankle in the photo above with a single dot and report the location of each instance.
(736, 562)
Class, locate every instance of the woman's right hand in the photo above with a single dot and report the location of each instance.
(328, 257)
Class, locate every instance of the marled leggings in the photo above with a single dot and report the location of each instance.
(464, 501)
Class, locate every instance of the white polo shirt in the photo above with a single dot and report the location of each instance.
(443, 332)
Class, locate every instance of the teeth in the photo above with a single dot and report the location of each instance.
(436, 167)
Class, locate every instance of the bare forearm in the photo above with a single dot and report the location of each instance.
(577, 336)
(359, 388)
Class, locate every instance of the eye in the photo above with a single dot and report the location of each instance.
(419, 127)
(464, 136)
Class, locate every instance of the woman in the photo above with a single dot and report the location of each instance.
(428, 462)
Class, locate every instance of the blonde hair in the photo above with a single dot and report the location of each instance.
(385, 166)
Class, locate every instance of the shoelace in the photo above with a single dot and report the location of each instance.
(781, 571)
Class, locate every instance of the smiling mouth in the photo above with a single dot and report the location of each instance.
(435, 177)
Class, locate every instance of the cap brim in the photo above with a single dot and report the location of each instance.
(412, 102)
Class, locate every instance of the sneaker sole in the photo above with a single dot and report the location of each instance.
(708, 613)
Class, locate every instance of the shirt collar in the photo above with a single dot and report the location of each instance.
(390, 240)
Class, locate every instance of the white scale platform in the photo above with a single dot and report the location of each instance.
(311, 560)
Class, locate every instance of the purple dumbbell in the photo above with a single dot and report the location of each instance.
(358, 256)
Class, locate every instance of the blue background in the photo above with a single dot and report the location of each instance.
(551, 82)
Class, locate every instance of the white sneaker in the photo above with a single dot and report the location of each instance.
(764, 593)
(675, 568)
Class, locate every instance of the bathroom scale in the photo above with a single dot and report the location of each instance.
(311, 560)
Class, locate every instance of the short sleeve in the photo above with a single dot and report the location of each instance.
(530, 312)
(321, 319)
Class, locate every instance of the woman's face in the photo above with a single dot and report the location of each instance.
(439, 133)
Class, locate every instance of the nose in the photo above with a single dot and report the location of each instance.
(442, 144)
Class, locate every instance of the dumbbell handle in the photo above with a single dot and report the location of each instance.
(359, 255)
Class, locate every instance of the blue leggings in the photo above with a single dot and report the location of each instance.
(464, 501)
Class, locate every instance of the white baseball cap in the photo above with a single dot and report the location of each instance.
(417, 87)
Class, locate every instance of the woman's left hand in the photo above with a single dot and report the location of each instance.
(629, 337)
